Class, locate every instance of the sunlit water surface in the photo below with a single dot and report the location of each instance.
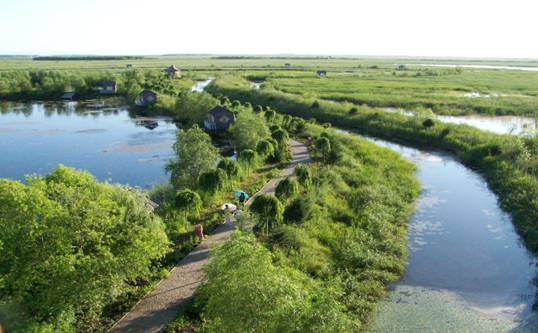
(468, 270)
(106, 141)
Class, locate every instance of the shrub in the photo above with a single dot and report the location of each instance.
(230, 167)
(287, 188)
(268, 210)
(298, 210)
(315, 105)
(188, 201)
(323, 146)
(212, 181)
(428, 123)
(280, 135)
(304, 175)
(247, 292)
(247, 156)
(265, 148)
(270, 115)
(353, 111)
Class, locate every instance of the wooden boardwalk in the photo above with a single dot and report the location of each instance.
(159, 307)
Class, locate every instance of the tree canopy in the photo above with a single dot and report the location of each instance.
(248, 129)
(195, 154)
(71, 245)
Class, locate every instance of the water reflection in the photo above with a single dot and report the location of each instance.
(467, 270)
(96, 136)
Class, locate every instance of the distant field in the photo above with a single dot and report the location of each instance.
(12, 63)
(373, 81)
(447, 91)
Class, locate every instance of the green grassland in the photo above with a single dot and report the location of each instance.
(368, 81)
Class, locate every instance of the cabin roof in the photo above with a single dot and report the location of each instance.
(172, 68)
(219, 109)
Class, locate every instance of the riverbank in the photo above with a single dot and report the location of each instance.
(509, 164)
(337, 242)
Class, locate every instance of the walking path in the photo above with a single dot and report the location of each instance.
(161, 306)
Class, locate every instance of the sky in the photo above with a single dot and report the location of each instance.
(444, 28)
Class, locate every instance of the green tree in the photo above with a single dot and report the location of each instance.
(280, 135)
(260, 296)
(268, 210)
(72, 245)
(230, 167)
(248, 158)
(298, 210)
(323, 146)
(287, 188)
(195, 154)
(188, 201)
(249, 128)
(212, 181)
(265, 148)
(304, 175)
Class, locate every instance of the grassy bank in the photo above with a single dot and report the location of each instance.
(509, 164)
(323, 259)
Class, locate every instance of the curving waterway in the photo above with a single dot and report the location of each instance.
(467, 270)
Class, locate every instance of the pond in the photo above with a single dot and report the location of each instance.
(200, 85)
(515, 125)
(467, 270)
(94, 136)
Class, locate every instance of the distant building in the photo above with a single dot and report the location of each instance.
(145, 98)
(401, 67)
(173, 72)
(107, 87)
(69, 96)
(321, 73)
(219, 118)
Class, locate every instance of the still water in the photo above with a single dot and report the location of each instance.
(514, 125)
(102, 139)
(467, 270)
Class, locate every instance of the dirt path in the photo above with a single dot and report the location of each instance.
(161, 306)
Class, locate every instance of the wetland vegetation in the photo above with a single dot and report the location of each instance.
(325, 249)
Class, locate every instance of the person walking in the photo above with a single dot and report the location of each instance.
(199, 231)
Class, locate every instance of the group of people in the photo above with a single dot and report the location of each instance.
(229, 211)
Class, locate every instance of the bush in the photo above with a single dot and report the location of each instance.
(265, 148)
(298, 210)
(280, 135)
(268, 210)
(270, 115)
(323, 146)
(287, 188)
(304, 175)
(428, 123)
(230, 167)
(212, 181)
(188, 201)
(260, 296)
(353, 111)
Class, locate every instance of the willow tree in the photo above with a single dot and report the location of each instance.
(195, 154)
(268, 210)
